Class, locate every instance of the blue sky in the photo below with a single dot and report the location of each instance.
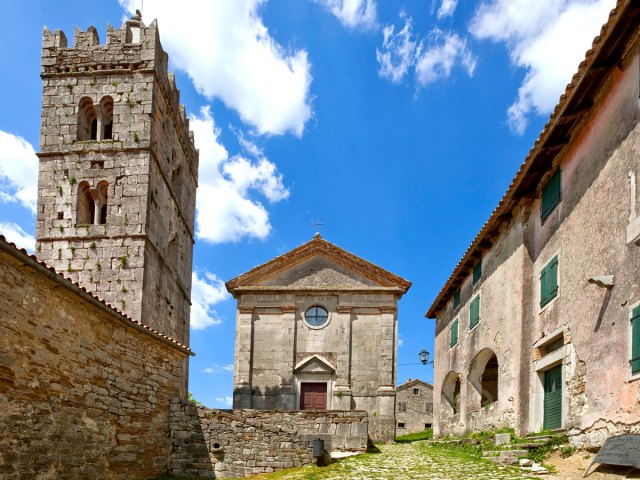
(397, 124)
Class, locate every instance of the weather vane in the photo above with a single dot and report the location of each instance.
(317, 224)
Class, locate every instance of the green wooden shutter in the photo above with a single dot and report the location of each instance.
(551, 194)
(453, 339)
(474, 312)
(635, 341)
(549, 282)
(477, 272)
(543, 287)
(456, 298)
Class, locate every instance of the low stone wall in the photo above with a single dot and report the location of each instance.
(593, 438)
(223, 443)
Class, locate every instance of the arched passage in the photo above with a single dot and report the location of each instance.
(450, 392)
(484, 376)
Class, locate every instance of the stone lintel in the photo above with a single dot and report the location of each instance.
(288, 309)
(344, 308)
(246, 309)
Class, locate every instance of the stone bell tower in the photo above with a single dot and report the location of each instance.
(118, 173)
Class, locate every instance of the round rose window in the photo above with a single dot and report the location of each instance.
(316, 317)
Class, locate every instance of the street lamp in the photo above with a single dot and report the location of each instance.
(424, 357)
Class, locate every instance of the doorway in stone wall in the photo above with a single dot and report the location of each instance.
(313, 396)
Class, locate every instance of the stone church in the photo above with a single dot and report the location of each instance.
(317, 330)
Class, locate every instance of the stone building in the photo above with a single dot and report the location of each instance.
(317, 329)
(538, 326)
(414, 406)
(118, 173)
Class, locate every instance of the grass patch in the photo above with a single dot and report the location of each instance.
(412, 437)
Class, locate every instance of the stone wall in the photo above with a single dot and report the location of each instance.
(84, 391)
(223, 443)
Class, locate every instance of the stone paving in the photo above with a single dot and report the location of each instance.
(405, 461)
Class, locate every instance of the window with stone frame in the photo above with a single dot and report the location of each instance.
(428, 407)
(402, 407)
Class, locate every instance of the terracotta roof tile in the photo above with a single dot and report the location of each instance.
(23, 252)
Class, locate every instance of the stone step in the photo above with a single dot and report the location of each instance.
(520, 446)
(513, 453)
(541, 438)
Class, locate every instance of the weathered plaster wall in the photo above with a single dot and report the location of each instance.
(82, 394)
(501, 297)
(221, 443)
(588, 232)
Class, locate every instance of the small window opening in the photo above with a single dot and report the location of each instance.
(402, 407)
(102, 201)
(427, 426)
(400, 424)
(94, 129)
(106, 113)
(87, 120)
(416, 391)
(85, 205)
(97, 163)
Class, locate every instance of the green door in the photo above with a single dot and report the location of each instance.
(553, 398)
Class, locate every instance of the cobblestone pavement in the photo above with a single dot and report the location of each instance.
(405, 461)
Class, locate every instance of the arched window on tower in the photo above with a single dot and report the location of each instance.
(106, 115)
(87, 120)
(101, 202)
(85, 207)
(176, 180)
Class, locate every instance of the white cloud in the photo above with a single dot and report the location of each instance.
(227, 401)
(217, 368)
(432, 58)
(206, 291)
(447, 7)
(444, 51)
(14, 233)
(18, 171)
(353, 13)
(228, 53)
(398, 52)
(225, 211)
(547, 38)
(400, 341)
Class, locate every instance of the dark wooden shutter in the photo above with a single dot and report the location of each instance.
(456, 299)
(553, 398)
(635, 340)
(551, 194)
(474, 312)
(477, 272)
(549, 282)
(454, 333)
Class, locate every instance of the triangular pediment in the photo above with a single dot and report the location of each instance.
(319, 271)
(314, 364)
(318, 264)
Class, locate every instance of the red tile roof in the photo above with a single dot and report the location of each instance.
(22, 255)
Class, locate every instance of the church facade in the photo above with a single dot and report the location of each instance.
(317, 329)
